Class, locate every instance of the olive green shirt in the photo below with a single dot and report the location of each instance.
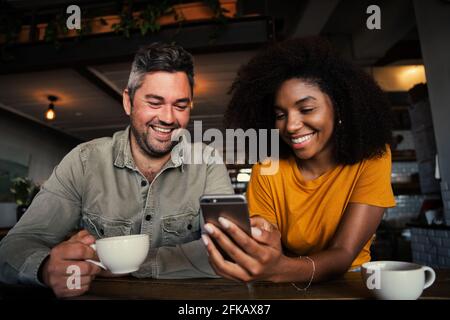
(98, 187)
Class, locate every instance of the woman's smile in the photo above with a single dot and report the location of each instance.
(301, 141)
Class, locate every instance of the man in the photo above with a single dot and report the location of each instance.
(135, 182)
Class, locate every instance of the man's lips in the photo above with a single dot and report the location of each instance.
(161, 132)
(162, 129)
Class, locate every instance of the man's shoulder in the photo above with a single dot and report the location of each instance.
(96, 144)
(104, 146)
(200, 153)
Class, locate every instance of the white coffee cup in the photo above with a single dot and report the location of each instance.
(123, 254)
(396, 280)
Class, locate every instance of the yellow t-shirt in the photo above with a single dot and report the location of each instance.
(309, 212)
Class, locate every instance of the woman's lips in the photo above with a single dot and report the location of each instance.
(302, 141)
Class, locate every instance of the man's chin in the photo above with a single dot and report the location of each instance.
(159, 150)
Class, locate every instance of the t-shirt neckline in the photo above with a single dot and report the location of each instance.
(309, 184)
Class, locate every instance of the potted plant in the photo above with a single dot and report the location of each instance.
(23, 190)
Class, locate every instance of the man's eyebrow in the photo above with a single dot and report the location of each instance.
(153, 96)
(305, 99)
(183, 100)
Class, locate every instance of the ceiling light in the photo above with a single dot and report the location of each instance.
(50, 113)
(399, 78)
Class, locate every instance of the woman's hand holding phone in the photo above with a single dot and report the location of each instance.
(256, 257)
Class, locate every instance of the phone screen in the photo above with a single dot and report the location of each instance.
(231, 207)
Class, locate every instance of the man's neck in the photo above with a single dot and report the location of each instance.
(149, 166)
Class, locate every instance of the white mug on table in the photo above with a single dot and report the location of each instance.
(123, 254)
(396, 280)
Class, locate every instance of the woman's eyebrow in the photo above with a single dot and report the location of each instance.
(277, 108)
(305, 99)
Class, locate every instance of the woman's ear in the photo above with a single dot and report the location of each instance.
(126, 102)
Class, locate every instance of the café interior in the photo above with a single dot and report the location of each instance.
(60, 88)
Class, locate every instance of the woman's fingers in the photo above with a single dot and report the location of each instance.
(269, 235)
(251, 245)
(254, 255)
(244, 250)
(261, 223)
(234, 251)
(222, 267)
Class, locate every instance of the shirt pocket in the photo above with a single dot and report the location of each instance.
(181, 227)
(101, 227)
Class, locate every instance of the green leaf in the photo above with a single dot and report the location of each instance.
(144, 28)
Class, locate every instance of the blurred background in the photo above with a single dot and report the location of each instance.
(61, 87)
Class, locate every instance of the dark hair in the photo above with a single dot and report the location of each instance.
(159, 57)
(358, 102)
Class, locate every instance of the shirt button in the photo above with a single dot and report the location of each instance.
(102, 232)
(148, 217)
(189, 226)
(143, 183)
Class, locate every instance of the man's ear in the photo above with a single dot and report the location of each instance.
(126, 102)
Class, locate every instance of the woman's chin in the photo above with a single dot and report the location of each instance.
(302, 154)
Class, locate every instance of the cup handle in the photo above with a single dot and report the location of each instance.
(97, 263)
(430, 276)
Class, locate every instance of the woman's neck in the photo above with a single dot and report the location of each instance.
(316, 166)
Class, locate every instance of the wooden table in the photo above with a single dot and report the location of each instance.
(350, 286)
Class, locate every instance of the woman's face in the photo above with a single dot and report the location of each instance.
(305, 117)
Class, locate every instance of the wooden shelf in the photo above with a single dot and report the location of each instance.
(406, 188)
(404, 155)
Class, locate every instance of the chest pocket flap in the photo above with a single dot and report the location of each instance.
(181, 228)
(102, 227)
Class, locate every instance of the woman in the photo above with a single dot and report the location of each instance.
(315, 218)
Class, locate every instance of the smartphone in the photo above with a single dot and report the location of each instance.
(232, 207)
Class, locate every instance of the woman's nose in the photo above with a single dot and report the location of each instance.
(294, 123)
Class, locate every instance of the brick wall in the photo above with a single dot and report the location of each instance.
(431, 247)
(406, 210)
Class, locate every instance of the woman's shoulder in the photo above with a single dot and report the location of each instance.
(376, 166)
(382, 160)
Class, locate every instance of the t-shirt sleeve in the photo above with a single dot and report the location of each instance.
(260, 200)
(373, 186)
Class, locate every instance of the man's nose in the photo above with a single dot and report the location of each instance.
(166, 115)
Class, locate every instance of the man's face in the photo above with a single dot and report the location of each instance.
(161, 105)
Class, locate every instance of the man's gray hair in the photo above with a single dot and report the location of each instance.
(159, 57)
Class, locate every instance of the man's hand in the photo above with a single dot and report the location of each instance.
(72, 252)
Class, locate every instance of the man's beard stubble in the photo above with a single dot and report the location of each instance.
(142, 140)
